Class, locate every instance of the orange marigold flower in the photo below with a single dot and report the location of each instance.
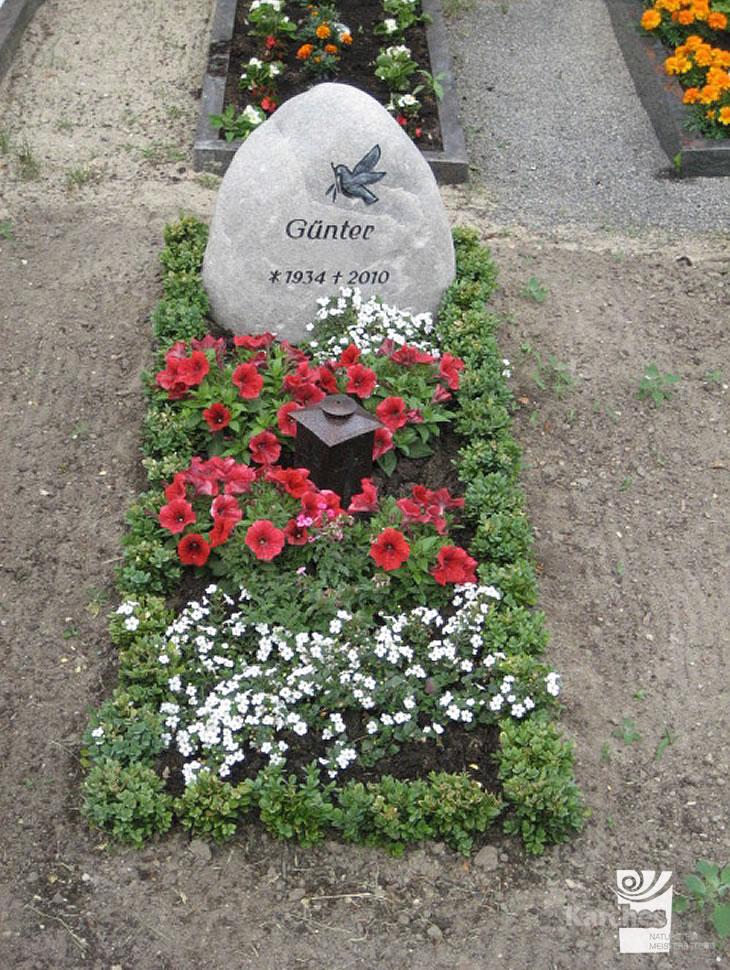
(691, 96)
(703, 55)
(346, 39)
(651, 19)
(693, 42)
(323, 31)
(710, 93)
(717, 20)
(724, 115)
(711, 114)
(304, 51)
(719, 77)
(684, 17)
(330, 49)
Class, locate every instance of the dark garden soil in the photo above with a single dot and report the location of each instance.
(630, 507)
(357, 65)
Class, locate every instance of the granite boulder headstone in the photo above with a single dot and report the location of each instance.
(328, 193)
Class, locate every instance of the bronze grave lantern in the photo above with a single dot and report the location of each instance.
(335, 440)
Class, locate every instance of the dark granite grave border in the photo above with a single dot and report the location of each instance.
(15, 15)
(213, 154)
(661, 96)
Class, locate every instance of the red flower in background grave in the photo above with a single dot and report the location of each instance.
(217, 416)
(383, 442)
(193, 550)
(390, 550)
(254, 341)
(176, 515)
(248, 381)
(264, 540)
(265, 448)
(454, 566)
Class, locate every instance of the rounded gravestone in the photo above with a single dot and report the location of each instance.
(329, 192)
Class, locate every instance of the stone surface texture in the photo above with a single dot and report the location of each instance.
(281, 236)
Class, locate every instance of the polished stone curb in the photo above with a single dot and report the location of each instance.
(213, 154)
(15, 15)
(661, 97)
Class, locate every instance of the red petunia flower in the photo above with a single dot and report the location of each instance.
(248, 380)
(449, 368)
(265, 448)
(390, 550)
(455, 565)
(366, 500)
(226, 507)
(349, 356)
(411, 511)
(440, 395)
(264, 540)
(361, 380)
(307, 393)
(176, 515)
(254, 341)
(296, 535)
(222, 528)
(176, 489)
(193, 550)
(408, 356)
(284, 420)
(193, 369)
(383, 442)
(313, 505)
(202, 477)
(217, 415)
(296, 481)
(209, 342)
(238, 479)
(268, 104)
(392, 413)
(325, 379)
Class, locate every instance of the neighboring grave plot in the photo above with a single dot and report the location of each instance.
(328, 193)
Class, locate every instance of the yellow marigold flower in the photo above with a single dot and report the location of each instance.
(691, 96)
(651, 19)
(710, 93)
(720, 58)
(693, 42)
(724, 115)
(668, 5)
(717, 21)
(304, 51)
(323, 31)
(700, 11)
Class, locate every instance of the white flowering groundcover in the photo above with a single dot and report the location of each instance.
(381, 727)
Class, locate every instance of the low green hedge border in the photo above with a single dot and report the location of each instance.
(123, 792)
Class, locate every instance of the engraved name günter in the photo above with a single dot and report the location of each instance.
(317, 229)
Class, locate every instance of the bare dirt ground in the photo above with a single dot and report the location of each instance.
(629, 504)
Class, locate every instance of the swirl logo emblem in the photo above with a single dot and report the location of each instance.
(645, 900)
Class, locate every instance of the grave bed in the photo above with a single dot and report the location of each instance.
(212, 153)
(661, 96)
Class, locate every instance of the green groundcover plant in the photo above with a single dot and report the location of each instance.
(326, 653)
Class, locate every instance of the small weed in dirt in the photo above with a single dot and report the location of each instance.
(708, 887)
(63, 124)
(76, 177)
(713, 377)
(625, 484)
(606, 753)
(656, 386)
(4, 141)
(665, 740)
(97, 599)
(534, 290)
(29, 167)
(5, 231)
(627, 731)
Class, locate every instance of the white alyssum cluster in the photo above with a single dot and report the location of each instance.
(374, 323)
(242, 686)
